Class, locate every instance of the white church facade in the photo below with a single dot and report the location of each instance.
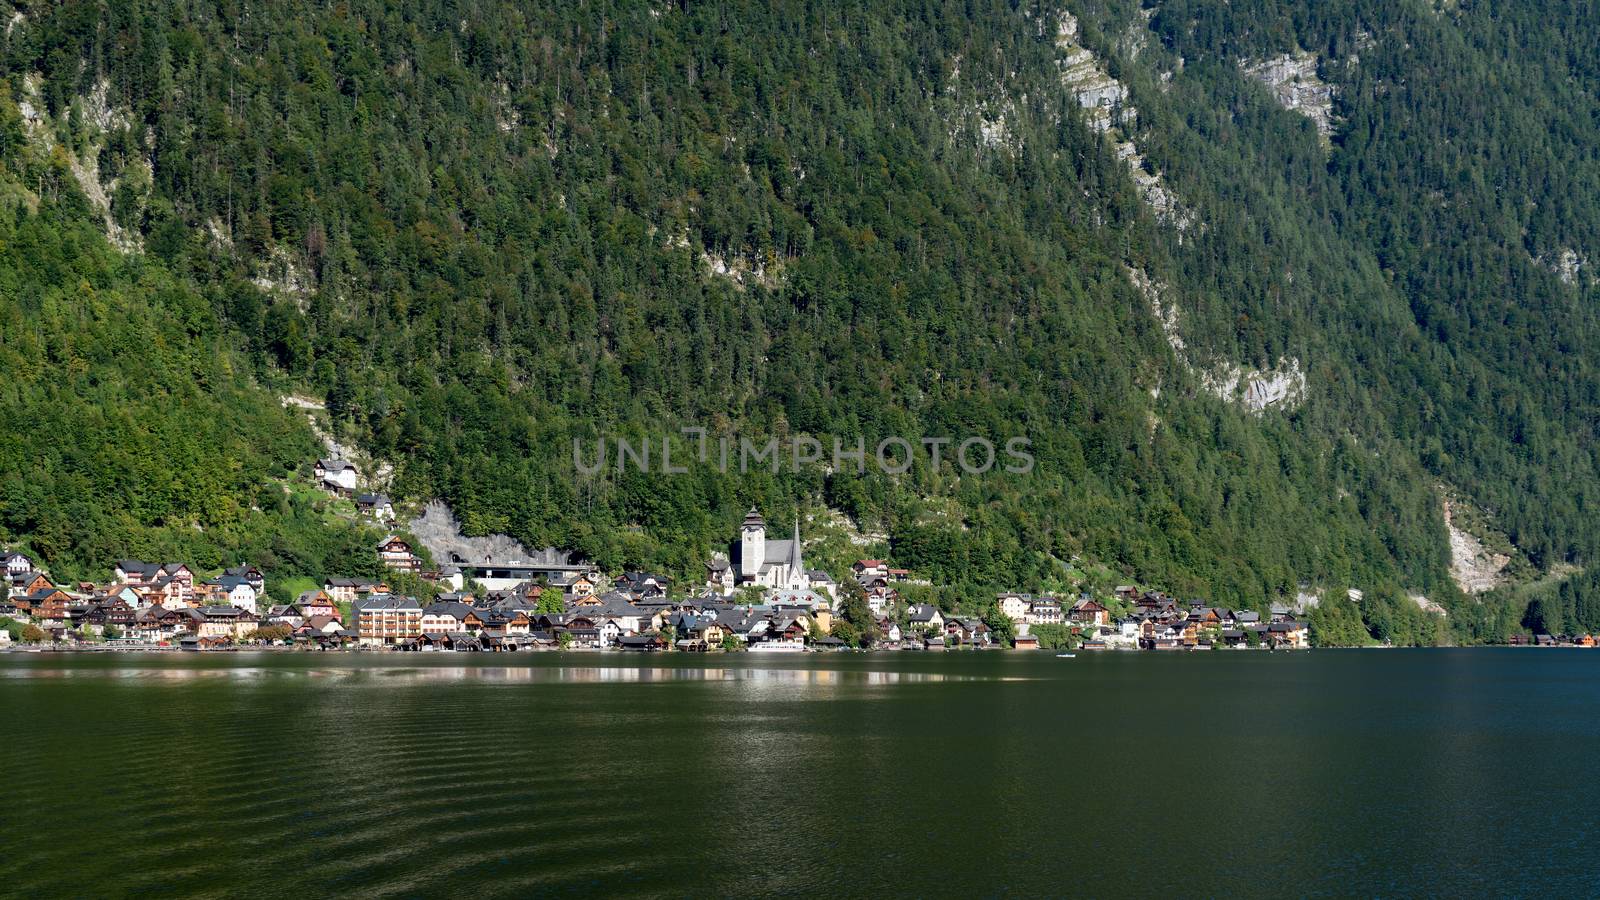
(755, 561)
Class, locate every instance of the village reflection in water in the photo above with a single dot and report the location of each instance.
(389, 676)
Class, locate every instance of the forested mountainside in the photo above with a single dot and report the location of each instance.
(1265, 283)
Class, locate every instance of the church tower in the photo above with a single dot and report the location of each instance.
(797, 566)
(752, 544)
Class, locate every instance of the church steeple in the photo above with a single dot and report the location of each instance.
(797, 566)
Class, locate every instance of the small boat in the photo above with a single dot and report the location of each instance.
(1066, 656)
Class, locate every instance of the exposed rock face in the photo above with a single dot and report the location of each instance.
(439, 531)
(1284, 385)
(1281, 387)
(1293, 80)
(1473, 567)
(742, 271)
(1112, 114)
(1570, 266)
(281, 273)
(100, 118)
(985, 113)
(1426, 605)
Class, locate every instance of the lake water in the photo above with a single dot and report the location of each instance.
(1331, 772)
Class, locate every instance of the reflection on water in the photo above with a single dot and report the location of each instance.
(527, 674)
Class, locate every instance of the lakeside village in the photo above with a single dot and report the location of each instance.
(166, 605)
(759, 597)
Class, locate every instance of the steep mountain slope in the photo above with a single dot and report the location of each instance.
(1248, 344)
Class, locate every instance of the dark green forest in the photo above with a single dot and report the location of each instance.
(479, 229)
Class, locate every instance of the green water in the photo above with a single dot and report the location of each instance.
(1345, 773)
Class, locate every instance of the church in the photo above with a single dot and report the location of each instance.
(755, 561)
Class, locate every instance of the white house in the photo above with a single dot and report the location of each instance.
(376, 505)
(1044, 611)
(16, 563)
(237, 592)
(1015, 606)
(925, 616)
(336, 474)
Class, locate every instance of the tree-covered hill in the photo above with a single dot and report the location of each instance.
(480, 229)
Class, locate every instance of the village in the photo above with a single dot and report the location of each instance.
(758, 596)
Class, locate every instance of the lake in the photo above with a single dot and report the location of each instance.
(1328, 772)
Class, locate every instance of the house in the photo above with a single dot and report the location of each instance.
(283, 615)
(641, 643)
(1025, 642)
(44, 604)
(700, 632)
(395, 552)
(506, 623)
(869, 570)
(1015, 606)
(232, 590)
(125, 594)
(575, 584)
(925, 616)
(719, 574)
(1044, 611)
(823, 584)
(158, 623)
(1089, 611)
(643, 585)
(799, 599)
(889, 630)
(582, 631)
(375, 505)
(788, 633)
(1289, 634)
(316, 603)
(103, 613)
(336, 475)
(387, 620)
(28, 582)
(451, 617)
(630, 619)
(346, 590)
(228, 622)
(135, 571)
(248, 573)
(15, 563)
(965, 630)
(459, 642)
(167, 592)
(319, 625)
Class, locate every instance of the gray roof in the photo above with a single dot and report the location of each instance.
(389, 601)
